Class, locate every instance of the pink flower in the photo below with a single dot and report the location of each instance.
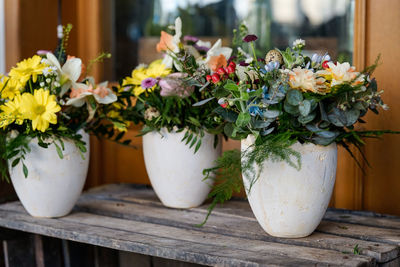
(174, 85)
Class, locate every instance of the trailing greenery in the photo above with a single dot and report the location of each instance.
(227, 176)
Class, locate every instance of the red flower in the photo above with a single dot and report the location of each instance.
(224, 105)
(232, 64)
(215, 78)
(325, 64)
(208, 78)
(250, 38)
(230, 69)
(221, 71)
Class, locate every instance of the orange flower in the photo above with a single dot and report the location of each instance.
(165, 43)
(216, 62)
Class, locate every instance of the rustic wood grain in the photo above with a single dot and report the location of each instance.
(234, 218)
(131, 219)
(178, 244)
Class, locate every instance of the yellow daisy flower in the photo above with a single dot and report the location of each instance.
(40, 108)
(31, 67)
(9, 88)
(157, 69)
(154, 70)
(11, 111)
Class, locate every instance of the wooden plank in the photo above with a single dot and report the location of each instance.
(174, 243)
(363, 218)
(233, 220)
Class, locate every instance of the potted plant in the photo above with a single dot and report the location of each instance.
(179, 139)
(48, 108)
(290, 112)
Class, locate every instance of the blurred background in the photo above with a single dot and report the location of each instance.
(350, 30)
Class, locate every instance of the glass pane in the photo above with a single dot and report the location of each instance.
(324, 24)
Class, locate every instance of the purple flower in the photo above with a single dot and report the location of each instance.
(174, 85)
(243, 64)
(189, 38)
(148, 83)
(42, 52)
(250, 38)
(201, 48)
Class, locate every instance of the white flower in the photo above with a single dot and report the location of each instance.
(81, 91)
(216, 55)
(299, 43)
(173, 45)
(306, 81)
(202, 43)
(342, 72)
(49, 70)
(69, 73)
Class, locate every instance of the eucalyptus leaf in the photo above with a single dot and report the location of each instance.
(337, 118)
(267, 131)
(259, 124)
(202, 102)
(294, 97)
(305, 108)
(306, 119)
(352, 116)
(326, 134)
(271, 114)
(294, 110)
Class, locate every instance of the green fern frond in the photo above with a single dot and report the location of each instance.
(228, 180)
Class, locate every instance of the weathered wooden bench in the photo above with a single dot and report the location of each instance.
(131, 218)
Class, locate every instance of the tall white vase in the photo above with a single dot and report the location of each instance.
(53, 185)
(175, 171)
(288, 202)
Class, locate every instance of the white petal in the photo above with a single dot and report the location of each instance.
(178, 28)
(76, 102)
(103, 84)
(73, 68)
(167, 61)
(53, 60)
(108, 99)
(65, 87)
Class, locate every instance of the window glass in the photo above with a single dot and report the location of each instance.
(324, 24)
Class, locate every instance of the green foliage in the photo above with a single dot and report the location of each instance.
(275, 148)
(227, 176)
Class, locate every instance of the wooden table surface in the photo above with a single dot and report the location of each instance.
(131, 218)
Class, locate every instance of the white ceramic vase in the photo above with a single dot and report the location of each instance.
(288, 202)
(53, 185)
(175, 171)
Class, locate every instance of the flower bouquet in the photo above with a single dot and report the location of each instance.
(290, 111)
(179, 139)
(47, 109)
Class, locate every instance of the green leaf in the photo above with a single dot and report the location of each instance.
(271, 114)
(293, 110)
(294, 97)
(305, 108)
(306, 119)
(25, 170)
(185, 136)
(15, 162)
(193, 142)
(197, 146)
(59, 151)
(231, 87)
(189, 138)
(243, 119)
